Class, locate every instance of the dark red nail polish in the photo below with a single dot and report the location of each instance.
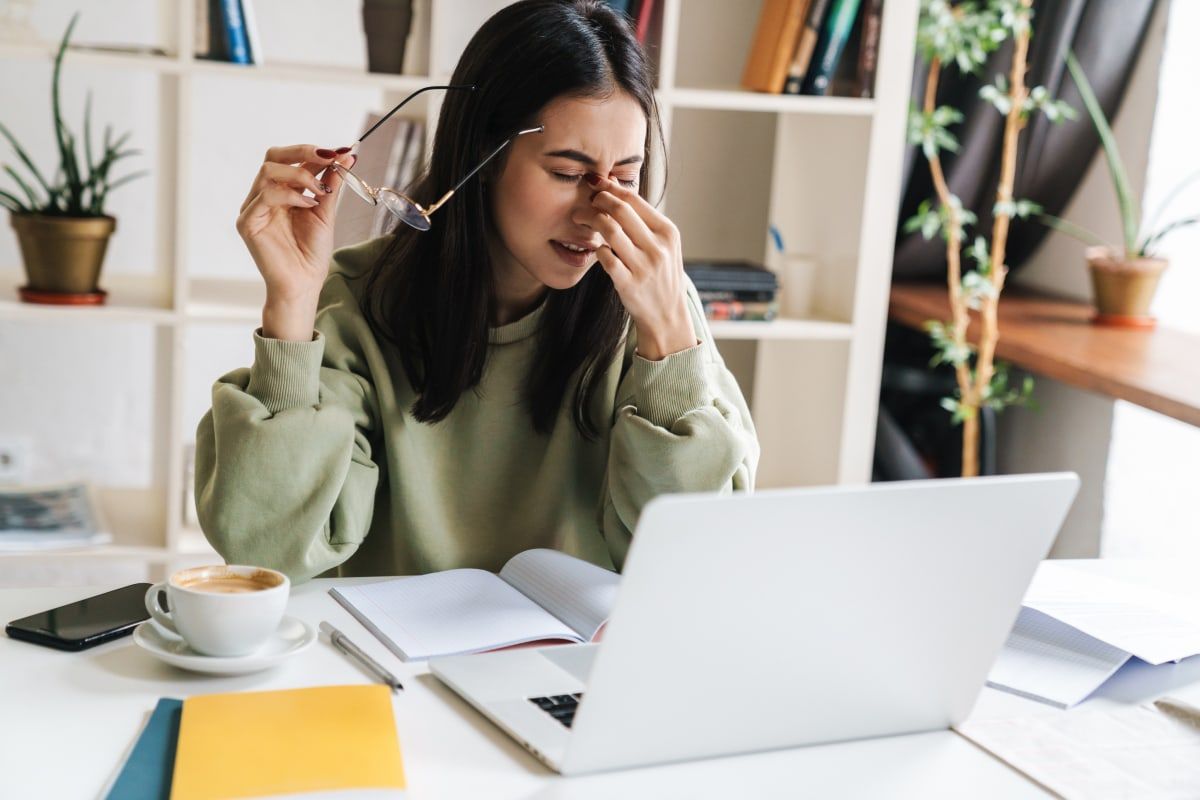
(593, 179)
(323, 153)
(341, 151)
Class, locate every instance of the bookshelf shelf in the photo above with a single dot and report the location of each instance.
(310, 73)
(826, 170)
(802, 329)
(741, 100)
(127, 301)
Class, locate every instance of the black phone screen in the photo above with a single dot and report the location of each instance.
(86, 622)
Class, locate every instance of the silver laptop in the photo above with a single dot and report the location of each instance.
(782, 618)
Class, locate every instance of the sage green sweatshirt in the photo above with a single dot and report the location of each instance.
(311, 463)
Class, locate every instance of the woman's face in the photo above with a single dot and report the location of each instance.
(541, 200)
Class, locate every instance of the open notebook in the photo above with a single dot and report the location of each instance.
(539, 595)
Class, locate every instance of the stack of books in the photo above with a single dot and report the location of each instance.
(735, 289)
(332, 741)
(815, 47)
(225, 30)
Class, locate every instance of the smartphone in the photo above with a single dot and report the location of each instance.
(85, 623)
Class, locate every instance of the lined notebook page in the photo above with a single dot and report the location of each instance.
(1047, 660)
(448, 613)
(1153, 625)
(578, 592)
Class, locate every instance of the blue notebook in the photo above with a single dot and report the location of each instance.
(147, 771)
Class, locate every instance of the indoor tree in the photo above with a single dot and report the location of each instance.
(962, 36)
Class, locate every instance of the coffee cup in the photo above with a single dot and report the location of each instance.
(225, 610)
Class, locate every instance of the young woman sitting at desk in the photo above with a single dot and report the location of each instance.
(527, 367)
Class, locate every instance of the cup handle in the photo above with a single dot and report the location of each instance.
(161, 618)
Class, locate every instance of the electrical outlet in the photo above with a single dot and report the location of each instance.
(15, 455)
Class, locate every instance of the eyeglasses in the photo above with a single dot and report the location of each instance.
(408, 210)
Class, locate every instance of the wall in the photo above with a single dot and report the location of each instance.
(1073, 429)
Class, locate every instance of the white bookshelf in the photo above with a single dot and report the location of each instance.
(825, 170)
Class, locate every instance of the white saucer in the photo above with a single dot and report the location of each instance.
(293, 636)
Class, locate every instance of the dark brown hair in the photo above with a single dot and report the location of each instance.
(430, 293)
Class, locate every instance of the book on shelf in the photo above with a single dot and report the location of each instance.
(835, 33)
(730, 275)
(540, 595)
(220, 32)
(868, 48)
(219, 25)
(50, 517)
(780, 23)
(740, 295)
(250, 23)
(645, 11)
(805, 45)
(717, 310)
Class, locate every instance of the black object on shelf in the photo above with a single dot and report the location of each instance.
(386, 24)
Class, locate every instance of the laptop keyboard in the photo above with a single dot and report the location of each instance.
(560, 706)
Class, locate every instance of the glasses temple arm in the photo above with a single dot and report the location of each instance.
(404, 102)
(442, 200)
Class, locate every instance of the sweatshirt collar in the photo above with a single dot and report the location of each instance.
(520, 329)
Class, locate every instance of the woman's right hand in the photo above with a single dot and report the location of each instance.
(290, 236)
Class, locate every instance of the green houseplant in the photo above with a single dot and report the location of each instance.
(1124, 278)
(61, 226)
(961, 36)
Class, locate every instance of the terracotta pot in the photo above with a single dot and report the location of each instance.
(1123, 289)
(63, 254)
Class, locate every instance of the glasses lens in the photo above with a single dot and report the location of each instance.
(355, 184)
(404, 208)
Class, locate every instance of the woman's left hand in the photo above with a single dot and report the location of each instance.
(643, 256)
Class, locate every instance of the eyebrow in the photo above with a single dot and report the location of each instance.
(584, 158)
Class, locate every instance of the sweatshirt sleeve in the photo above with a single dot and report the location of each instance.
(681, 425)
(284, 471)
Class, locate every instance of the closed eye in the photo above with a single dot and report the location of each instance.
(571, 178)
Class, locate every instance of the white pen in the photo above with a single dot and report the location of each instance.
(348, 647)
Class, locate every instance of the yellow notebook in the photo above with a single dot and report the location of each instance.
(259, 744)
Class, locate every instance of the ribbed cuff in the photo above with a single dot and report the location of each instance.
(666, 390)
(286, 374)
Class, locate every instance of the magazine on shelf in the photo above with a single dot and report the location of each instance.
(49, 517)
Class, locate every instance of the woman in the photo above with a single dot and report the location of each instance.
(528, 372)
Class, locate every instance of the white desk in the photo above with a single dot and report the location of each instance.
(67, 719)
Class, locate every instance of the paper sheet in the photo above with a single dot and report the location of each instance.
(1131, 752)
(1046, 660)
(1153, 625)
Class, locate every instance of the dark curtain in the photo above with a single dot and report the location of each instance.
(1106, 36)
(915, 437)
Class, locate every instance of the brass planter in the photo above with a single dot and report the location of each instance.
(63, 254)
(1123, 289)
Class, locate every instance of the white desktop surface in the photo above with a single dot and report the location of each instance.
(68, 719)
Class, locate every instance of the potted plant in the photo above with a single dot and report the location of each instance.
(1124, 278)
(61, 226)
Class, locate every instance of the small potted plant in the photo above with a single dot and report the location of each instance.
(1124, 278)
(61, 226)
